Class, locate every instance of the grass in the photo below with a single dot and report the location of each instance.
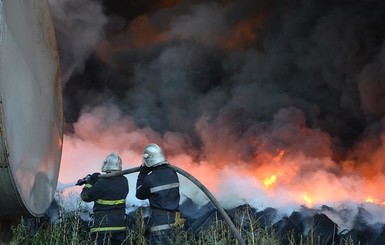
(71, 229)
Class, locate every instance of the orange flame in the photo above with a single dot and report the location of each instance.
(268, 182)
(374, 200)
(370, 199)
(307, 199)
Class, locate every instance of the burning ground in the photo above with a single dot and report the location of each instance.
(269, 103)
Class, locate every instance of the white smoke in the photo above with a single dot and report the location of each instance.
(79, 28)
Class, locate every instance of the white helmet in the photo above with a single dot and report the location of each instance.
(112, 163)
(153, 156)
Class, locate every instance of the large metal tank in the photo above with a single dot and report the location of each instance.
(31, 115)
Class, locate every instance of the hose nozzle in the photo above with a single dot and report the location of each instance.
(84, 180)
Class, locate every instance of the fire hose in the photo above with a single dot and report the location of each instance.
(199, 185)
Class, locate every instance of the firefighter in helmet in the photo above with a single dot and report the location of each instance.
(109, 196)
(159, 183)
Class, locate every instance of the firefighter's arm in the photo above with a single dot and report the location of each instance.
(91, 189)
(142, 188)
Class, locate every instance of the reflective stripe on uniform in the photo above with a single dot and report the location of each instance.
(160, 227)
(110, 202)
(116, 228)
(164, 187)
(87, 186)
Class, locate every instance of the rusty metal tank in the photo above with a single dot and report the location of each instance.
(31, 115)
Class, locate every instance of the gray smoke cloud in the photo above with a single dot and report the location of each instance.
(79, 28)
(246, 74)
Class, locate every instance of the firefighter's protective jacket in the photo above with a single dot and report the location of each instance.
(109, 197)
(161, 187)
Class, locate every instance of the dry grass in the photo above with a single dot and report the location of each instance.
(71, 229)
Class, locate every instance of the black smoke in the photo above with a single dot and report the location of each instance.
(323, 58)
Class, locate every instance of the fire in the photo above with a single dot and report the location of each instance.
(279, 156)
(270, 165)
(307, 199)
(268, 182)
(371, 199)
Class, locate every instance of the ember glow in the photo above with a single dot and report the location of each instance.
(272, 104)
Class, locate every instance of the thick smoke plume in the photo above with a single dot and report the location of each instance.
(79, 28)
(276, 103)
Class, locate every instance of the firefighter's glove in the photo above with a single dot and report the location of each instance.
(84, 180)
(144, 170)
(81, 181)
(93, 178)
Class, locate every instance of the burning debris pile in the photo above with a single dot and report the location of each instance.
(278, 104)
(303, 224)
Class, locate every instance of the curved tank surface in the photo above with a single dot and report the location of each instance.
(31, 116)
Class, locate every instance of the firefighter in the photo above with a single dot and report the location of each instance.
(108, 225)
(158, 183)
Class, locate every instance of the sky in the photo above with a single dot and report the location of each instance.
(271, 103)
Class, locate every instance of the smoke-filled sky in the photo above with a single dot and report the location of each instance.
(272, 103)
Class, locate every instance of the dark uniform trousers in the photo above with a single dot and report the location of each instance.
(162, 227)
(104, 228)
